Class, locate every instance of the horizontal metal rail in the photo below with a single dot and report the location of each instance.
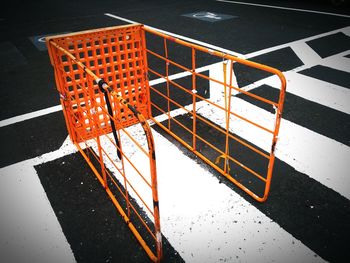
(191, 90)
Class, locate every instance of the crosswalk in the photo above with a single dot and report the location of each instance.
(310, 153)
(30, 230)
(207, 221)
(205, 224)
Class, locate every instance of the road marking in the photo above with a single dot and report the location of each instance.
(210, 223)
(30, 231)
(303, 149)
(56, 108)
(339, 61)
(319, 91)
(216, 224)
(177, 231)
(344, 30)
(293, 44)
(328, 94)
(305, 53)
(30, 115)
(204, 44)
(285, 8)
(184, 239)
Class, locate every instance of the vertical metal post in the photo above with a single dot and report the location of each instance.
(228, 110)
(194, 98)
(167, 80)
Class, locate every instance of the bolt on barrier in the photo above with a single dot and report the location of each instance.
(103, 79)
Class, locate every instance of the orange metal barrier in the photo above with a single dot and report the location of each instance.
(193, 129)
(101, 78)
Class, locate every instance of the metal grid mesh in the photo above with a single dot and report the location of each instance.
(116, 56)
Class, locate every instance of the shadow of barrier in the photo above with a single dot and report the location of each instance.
(103, 78)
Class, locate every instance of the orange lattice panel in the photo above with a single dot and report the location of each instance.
(116, 55)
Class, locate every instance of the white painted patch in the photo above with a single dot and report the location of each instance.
(322, 92)
(339, 61)
(30, 115)
(29, 228)
(318, 156)
(30, 231)
(39, 113)
(285, 8)
(305, 53)
(206, 221)
(345, 30)
(137, 158)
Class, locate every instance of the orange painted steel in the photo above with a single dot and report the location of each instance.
(112, 62)
(102, 78)
(228, 113)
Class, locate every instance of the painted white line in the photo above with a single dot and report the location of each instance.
(305, 53)
(339, 62)
(307, 151)
(347, 32)
(296, 44)
(285, 8)
(30, 115)
(321, 92)
(67, 148)
(230, 52)
(211, 223)
(310, 58)
(344, 30)
(180, 75)
(56, 108)
(208, 223)
(30, 231)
